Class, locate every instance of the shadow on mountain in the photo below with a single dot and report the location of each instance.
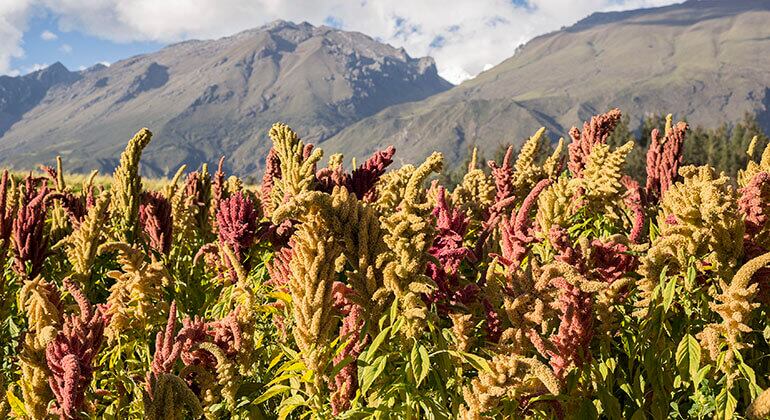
(154, 77)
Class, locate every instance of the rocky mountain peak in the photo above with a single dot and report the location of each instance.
(206, 98)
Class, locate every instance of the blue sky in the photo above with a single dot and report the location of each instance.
(465, 37)
(44, 44)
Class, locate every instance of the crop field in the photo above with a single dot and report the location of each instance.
(547, 284)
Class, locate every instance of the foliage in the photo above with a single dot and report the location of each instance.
(599, 278)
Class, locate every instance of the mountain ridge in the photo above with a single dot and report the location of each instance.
(20, 94)
(203, 99)
(701, 60)
(696, 59)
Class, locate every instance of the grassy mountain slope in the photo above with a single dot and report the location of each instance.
(705, 61)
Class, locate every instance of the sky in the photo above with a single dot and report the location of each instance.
(465, 37)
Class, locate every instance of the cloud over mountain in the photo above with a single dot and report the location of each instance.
(463, 36)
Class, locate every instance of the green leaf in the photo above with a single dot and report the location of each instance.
(751, 377)
(668, 294)
(587, 410)
(271, 392)
(425, 359)
(13, 327)
(610, 404)
(290, 404)
(726, 404)
(414, 362)
(479, 363)
(16, 405)
(289, 352)
(701, 374)
(292, 367)
(603, 370)
(275, 361)
(690, 278)
(394, 312)
(376, 343)
(398, 324)
(688, 357)
(282, 296)
(281, 378)
(627, 389)
(370, 373)
(342, 363)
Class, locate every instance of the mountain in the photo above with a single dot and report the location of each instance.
(706, 61)
(204, 99)
(20, 94)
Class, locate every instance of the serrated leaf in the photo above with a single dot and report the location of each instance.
(688, 357)
(725, 404)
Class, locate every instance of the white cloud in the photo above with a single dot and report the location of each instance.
(13, 20)
(48, 36)
(65, 48)
(462, 35)
(33, 67)
(455, 74)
